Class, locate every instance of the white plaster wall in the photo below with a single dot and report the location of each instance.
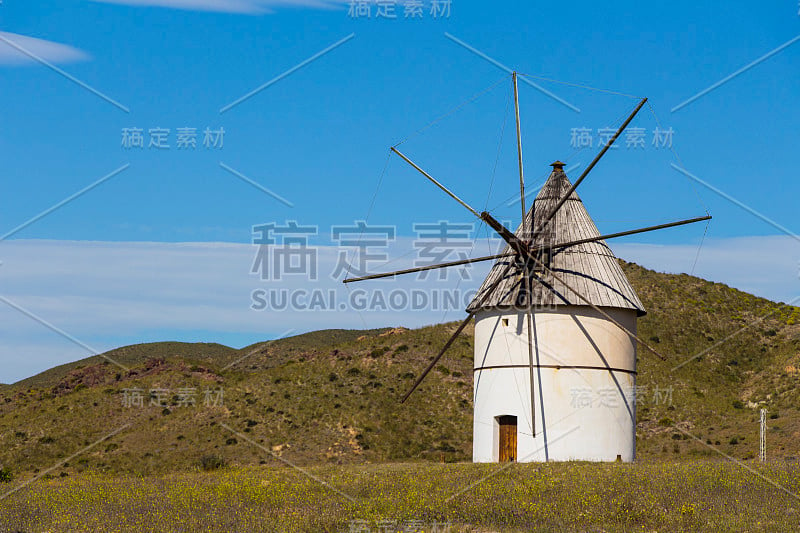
(581, 414)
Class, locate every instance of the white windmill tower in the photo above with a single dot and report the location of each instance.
(555, 330)
(581, 365)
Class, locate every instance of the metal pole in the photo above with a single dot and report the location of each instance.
(762, 444)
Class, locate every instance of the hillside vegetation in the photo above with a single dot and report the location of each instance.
(331, 397)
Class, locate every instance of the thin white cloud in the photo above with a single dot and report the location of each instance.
(767, 266)
(109, 294)
(52, 52)
(252, 7)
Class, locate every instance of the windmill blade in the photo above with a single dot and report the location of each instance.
(590, 167)
(628, 232)
(516, 244)
(458, 331)
(433, 180)
(429, 267)
(504, 232)
(585, 300)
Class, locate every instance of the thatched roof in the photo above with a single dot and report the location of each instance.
(590, 268)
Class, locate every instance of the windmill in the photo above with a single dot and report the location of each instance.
(555, 315)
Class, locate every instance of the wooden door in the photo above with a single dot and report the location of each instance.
(508, 438)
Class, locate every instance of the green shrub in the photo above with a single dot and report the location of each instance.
(377, 352)
(211, 462)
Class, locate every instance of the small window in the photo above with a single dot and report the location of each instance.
(505, 321)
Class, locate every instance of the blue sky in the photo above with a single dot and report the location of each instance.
(319, 139)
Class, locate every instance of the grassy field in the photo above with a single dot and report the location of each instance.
(657, 496)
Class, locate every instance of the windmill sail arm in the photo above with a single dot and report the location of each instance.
(516, 244)
(486, 294)
(429, 267)
(630, 232)
(435, 182)
(591, 166)
(438, 356)
(519, 247)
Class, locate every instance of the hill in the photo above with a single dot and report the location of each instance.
(331, 396)
(132, 356)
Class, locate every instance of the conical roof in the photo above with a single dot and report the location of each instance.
(591, 269)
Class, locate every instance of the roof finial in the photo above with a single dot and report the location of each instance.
(558, 166)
